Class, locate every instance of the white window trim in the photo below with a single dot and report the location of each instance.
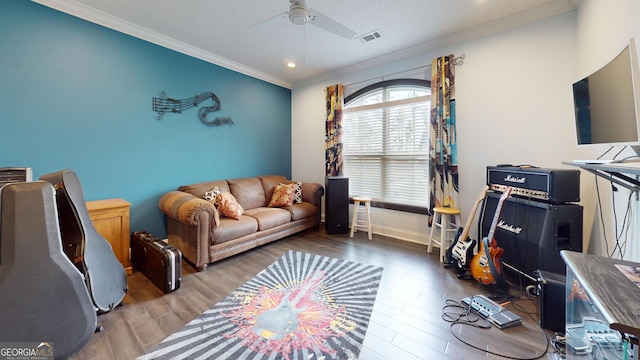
(388, 203)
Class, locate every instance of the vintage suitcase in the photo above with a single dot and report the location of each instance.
(157, 260)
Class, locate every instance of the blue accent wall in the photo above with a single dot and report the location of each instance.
(75, 95)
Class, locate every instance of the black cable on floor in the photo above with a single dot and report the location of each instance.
(464, 316)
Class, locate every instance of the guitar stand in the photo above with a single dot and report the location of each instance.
(462, 275)
(465, 276)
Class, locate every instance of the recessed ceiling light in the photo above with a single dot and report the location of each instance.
(291, 64)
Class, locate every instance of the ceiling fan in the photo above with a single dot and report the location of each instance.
(300, 14)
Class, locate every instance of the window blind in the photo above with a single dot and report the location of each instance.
(386, 150)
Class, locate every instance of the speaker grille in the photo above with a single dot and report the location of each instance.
(532, 233)
(336, 205)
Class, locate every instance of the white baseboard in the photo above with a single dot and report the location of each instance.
(400, 234)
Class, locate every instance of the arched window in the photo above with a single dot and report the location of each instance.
(386, 143)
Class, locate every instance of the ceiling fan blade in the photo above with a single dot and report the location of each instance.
(326, 23)
(272, 21)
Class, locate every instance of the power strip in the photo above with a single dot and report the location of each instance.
(492, 311)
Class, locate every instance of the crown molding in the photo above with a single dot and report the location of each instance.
(79, 10)
(526, 17)
(92, 15)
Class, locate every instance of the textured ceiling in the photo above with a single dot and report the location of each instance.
(223, 31)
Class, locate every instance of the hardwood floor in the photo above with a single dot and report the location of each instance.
(407, 321)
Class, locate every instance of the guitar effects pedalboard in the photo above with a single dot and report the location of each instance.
(492, 311)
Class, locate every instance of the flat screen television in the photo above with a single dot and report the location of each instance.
(606, 103)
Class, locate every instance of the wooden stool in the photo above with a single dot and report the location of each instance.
(442, 218)
(361, 205)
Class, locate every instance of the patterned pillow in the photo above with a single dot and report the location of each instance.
(282, 195)
(212, 196)
(229, 206)
(297, 196)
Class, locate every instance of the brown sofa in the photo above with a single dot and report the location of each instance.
(191, 220)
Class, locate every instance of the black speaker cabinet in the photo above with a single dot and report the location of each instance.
(336, 199)
(532, 233)
(553, 294)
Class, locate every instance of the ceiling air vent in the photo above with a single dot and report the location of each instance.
(370, 36)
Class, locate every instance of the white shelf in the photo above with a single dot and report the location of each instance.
(623, 173)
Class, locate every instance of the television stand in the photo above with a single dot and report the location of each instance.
(619, 173)
(601, 307)
(625, 161)
(592, 162)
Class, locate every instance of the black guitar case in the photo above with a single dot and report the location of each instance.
(43, 297)
(104, 275)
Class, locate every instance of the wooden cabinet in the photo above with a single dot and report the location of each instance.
(110, 217)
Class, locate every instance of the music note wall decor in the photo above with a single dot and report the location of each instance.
(163, 104)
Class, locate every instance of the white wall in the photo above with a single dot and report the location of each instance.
(603, 28)
(514, 105)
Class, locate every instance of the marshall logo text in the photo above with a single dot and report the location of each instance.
(513, 179)
(508, 227)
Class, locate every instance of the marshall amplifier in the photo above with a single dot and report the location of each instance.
(550, 185)
(532, 233)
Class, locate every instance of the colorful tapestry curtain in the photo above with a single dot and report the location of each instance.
(443, 167)
(334, 96)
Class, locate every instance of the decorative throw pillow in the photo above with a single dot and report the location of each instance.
(297, 195)
(212, 196)
(229, 206)
(282, 195)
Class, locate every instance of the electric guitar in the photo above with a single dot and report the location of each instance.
(460, 253)
(486, 266)
(282, 320)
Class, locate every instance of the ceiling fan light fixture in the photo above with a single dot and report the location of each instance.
(298, 14)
